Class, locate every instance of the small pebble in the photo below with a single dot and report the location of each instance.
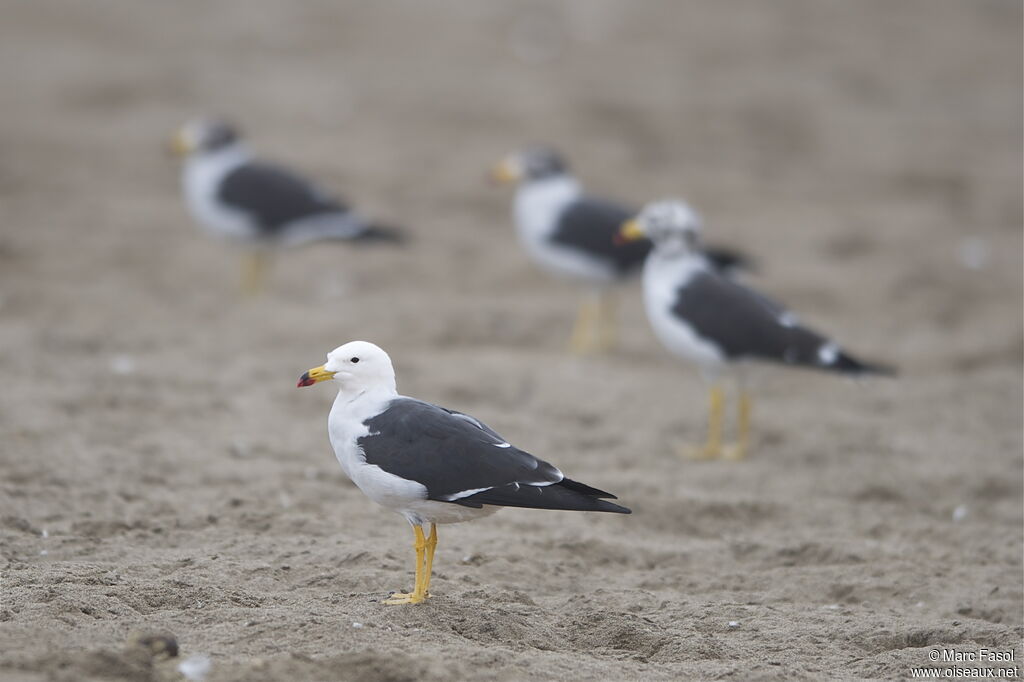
(162, 646)
(333, 287)
(195, 667)
(122, 364)
(357, 625)
(536, 39)
(734, 623)
(960, 513)
(239, 449)
(975, 253)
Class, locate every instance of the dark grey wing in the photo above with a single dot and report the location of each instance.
(449, 453)
(745, 324)
(590, 225)
(459, 459)
(274, 196)
(475, 422)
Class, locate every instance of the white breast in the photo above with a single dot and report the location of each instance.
(201, 176)
(538, 206)
(664, 275)
(345, 427)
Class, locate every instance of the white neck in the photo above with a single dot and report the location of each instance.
(538, 204)
(382, 388)
(674, 247)
(345, 424)
(670, 262)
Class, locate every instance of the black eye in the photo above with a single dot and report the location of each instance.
(354, 360)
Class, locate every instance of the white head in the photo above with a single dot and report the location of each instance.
(357, 366)
(671, 224)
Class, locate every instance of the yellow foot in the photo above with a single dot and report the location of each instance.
(406, 598)
(702, 452)
(735, 452)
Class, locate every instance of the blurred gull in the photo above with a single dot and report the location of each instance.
(260, 205)
(573, 235)
(717, 323)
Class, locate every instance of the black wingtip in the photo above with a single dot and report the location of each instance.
(596, 499)
(380, 233)
(566, 495)
(850, 365)
(614, 508)
(585, 489)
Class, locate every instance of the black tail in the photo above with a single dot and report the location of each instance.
(566, 494)
(850, 365)
(376, 232)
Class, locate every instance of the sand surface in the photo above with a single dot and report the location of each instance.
(160, 472)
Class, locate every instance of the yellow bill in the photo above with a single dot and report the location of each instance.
(315, 375)
(630, 232)
(180, 144)
(506, 171)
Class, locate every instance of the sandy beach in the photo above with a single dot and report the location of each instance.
(160, 472)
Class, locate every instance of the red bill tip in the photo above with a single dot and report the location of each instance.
(305, 380)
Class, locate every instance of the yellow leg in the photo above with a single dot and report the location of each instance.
(739, 451)
(254, 272)
(581, 342)
(429, 567)
(608, 322)
(713, 447)
(418, 593)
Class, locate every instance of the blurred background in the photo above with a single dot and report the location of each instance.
(867, 154)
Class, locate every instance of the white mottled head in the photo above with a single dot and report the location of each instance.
(670, 224)
(532, 164)
(357, 366)
(204, 136)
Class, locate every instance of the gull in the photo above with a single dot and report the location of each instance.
(718, 323)
(571, 235)
(430, 464)
(259, 205)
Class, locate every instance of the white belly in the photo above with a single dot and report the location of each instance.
(201, 178)
(538, 206)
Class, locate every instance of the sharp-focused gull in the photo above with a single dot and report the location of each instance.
(716, 322)
(572, 235)
(430, 464)
(261, 205)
